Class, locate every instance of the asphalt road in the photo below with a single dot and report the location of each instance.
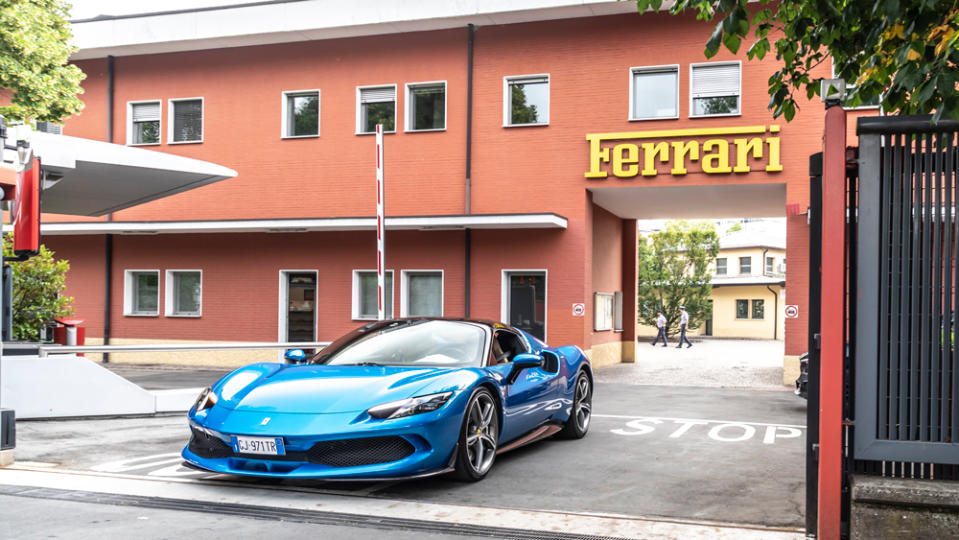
(714, 454)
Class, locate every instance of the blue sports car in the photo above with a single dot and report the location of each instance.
(401, 398)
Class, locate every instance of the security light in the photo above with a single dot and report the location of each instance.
(832, 91)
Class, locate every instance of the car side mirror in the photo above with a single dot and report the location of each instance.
(521, 362)
(295, 356)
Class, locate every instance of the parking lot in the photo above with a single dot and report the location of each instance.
(721, 455)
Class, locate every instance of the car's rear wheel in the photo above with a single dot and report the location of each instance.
(579, 417)
(478, 437)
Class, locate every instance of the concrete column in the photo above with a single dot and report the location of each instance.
(630, 307)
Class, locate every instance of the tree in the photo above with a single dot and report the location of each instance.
(674, 271)
(35, 46)
(902, 53)
(521, 112)
(37, 286)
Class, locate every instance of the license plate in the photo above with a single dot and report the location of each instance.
(268, 446)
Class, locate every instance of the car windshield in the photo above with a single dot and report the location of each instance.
(414, 343)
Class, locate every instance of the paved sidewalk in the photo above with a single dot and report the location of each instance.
(725, 363)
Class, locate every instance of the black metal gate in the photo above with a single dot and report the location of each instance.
(905, 362)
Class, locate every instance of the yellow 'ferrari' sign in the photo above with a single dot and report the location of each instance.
(750, 144)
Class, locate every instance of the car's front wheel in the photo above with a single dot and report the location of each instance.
(579, 417)
(478, 437)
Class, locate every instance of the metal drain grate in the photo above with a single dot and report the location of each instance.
(299, 516)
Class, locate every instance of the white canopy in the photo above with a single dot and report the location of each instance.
(92, 178)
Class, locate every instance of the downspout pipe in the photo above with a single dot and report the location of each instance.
(775, 312)
(468, 239)
(108, 241)
(775, 299)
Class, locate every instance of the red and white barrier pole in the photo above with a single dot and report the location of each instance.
(380, 226)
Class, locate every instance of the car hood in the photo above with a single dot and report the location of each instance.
(319, 389)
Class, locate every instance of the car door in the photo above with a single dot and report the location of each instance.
(530, 398)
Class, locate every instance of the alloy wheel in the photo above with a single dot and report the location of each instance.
(583, 403)
(481, 429)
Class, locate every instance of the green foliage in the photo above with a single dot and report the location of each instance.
(34, 47)
(521, 112)
(381, 113)
(674, 271)
(902, 52)
(37, 285)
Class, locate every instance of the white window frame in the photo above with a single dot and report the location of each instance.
(404, 288)
(169, 112)
(129, 291)
(357, 293)
(359, 103)
(284, 304)
(633, 71)
(284, 107)
(504, 295)
(692, 67)
(169, 301)
(130, 105)
(603, 321)
(408, 117)
(508, 110)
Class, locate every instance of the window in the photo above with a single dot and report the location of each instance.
(364, 295)
(186, 119)
(602, 311)
(770, 265)
(376, 105)
(745, 266)
(654, 93)
(721, 266)
(742, 309)
(422, 293)
(184, 289)
(426, 106)
(47, 127)
(141, 292)
(714, 90)
(523, 301)
(144, 123)
(301, 113)
(526, 100)
(759, 309)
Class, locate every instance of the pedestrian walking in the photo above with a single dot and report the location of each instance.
(683, 322)
(661, 324)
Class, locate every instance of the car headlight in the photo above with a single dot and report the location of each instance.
(206, 399)
(410, 406)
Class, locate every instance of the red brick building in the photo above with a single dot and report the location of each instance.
(523, 151)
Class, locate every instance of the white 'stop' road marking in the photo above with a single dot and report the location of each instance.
(698, 420)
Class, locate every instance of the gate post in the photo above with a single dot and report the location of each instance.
(832, 324)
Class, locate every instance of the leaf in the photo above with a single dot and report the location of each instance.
(712, 46)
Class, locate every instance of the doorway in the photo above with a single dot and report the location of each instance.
(524, 301)
(297, 306)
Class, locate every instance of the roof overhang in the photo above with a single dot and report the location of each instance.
(91, 178)
(421, 223)
(747, 280)
(692, 201)
(285, 21)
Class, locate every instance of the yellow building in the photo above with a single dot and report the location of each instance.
(748, 296)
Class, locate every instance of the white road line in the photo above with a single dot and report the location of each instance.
(628, 527)
(637, 416)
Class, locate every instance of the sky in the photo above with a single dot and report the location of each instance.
(85, 9)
